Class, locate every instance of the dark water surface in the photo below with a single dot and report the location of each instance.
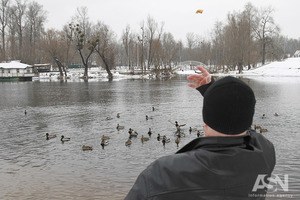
(32, 167)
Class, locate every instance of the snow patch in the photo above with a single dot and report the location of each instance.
(286, 68)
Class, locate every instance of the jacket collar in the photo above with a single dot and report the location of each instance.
(216, 142)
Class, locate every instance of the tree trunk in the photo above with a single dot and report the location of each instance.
(86, 72)
(61, 68)
(110, 75)
(85, 64)
(3, 46)
(263, 52)
(107, 67)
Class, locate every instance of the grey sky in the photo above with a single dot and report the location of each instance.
(178, 15)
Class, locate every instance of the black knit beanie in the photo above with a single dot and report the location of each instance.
(228, 106)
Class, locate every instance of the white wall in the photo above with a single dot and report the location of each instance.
(15, 72)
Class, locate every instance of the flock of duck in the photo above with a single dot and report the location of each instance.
(134, 134)
(163, 138)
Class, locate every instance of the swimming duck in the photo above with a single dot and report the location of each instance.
(177, 141)
(109, 118)
(48, 137)
(144, 139)
(87, 148)
(64, 139)
(104, 143)
(180, 134)
(257, 127)
(192, 129)
(118, 115)
(128, 143)
(120, 127)
(262, 130)
(147, 117)
(149, 132)
(177, 125)
(263, 116)
(200, 133)
(159, 137)
(276, 114)
(130, 130)
(132, 133)
(105, 137)
(165, 140)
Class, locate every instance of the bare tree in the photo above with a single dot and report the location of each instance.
(12, 35)
(265, 28)
(205, 52)
(170, 49)
(289, 46)
(249, 17)
(141, 41)
(190, 39)
(18, 11)
(158, 56)
(66, 35)
(4, 14)
(218, 45)
(152, 34)
(106, 46)
(130, 46)
(53, 44)
(84, 46)
(238, 33)
(84, 41)
(126, 43)
(234, 43)
(35, 19)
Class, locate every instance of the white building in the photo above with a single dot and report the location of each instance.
(15, 70)
(297, 53)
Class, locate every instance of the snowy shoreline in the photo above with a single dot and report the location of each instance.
(286, 70)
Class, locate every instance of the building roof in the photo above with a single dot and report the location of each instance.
(14, 65)
(297, 53)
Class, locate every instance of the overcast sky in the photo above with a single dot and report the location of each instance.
(178, 16)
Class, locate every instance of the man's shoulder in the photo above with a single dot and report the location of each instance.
(187, 162)
(201, 156)
(259, 140)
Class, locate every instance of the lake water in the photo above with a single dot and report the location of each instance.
(32, 167)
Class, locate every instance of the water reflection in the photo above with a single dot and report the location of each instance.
(33, 168)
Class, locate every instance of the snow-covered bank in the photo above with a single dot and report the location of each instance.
(286, 68)
(276, 72)
(94, 75)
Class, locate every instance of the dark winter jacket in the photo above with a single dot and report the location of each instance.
(208, 168)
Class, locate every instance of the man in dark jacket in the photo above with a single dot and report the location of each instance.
(223, 165)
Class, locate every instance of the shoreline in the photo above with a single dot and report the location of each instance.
(286, 69)
(117, 77)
